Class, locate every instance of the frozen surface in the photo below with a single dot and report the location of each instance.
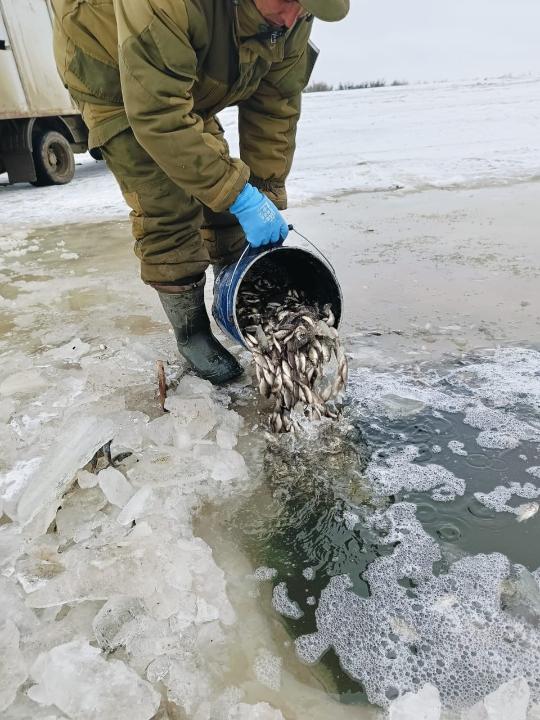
(105, 582)
(472, 133)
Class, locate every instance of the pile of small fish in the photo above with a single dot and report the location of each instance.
(292, 340)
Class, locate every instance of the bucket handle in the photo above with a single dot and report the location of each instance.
(293, 229)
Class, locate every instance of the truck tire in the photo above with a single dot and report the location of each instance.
(53, 159)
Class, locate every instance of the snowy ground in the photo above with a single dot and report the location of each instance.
(103, 582)
(444, 135)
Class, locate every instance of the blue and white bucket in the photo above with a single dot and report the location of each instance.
(300, 269)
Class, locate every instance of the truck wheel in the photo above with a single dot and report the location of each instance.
(53, 159)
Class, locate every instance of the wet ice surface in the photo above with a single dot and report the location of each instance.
(373, 536)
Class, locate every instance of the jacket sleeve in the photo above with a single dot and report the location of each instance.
(158, 68)
(269, 118)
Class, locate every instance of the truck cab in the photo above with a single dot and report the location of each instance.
(40, 126)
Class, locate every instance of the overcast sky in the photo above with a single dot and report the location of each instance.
(430, 40)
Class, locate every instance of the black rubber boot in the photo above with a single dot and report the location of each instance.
(187, 314)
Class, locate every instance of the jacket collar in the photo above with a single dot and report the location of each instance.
(254, 32)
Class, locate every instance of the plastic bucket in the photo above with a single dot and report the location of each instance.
(295, 267)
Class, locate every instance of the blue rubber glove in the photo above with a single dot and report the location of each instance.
(260, 219)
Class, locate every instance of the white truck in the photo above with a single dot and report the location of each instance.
(40, 127)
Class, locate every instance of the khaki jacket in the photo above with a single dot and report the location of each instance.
(164, 67)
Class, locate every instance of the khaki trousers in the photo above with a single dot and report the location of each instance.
(175, 236)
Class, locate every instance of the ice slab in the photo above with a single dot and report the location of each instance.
(116, 488)
(70, 352)
(83, 685)
(77, 442)
(423, 705)
(131, 436)
(14, 609)
(193, 419)
(78, 511)
(86, 479)
(13, 671)
(112, 618)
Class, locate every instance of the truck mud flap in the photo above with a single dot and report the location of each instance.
(16, 150)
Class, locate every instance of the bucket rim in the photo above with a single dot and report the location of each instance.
(250, 261)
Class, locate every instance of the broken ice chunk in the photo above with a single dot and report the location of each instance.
(283, 604)
(193, 419)
(191, 386)
(224, 465)
(116, 488)
(77, 442)
(86, 479)
(131, 436)
(112, 617)
(423, 705)
(13, 670)
(79, 507)
(90, 686)
(135, 508)
(13, 608)
(160, 431)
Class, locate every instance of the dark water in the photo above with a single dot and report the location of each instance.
(295, 519)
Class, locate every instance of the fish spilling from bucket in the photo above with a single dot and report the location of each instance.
(293, 341)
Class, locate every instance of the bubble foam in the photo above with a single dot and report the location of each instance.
(391, 474)
(448, 630)
(499, 497)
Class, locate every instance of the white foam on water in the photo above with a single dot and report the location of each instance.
(500, 496)
(283, 604)
(392, 473)
(263, 574)
(309, 572)
(486, 388)
(458, 448)
(447, 630)
(267, 669)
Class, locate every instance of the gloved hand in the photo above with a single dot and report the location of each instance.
(260, 219)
